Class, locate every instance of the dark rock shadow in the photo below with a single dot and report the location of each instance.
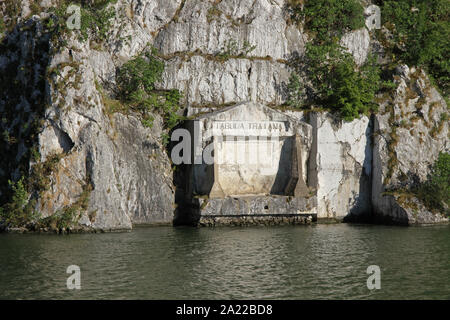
(362, 209)
(284, 168)
(25, 54)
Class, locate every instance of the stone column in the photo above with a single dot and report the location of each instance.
(216, 190)
(296, 185)
(301, 189)
(312, 161)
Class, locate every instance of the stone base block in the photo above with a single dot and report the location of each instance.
(256, 220)
(253, 210)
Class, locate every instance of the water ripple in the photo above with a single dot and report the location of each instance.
(304, 262)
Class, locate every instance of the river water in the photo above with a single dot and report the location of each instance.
(291, 262)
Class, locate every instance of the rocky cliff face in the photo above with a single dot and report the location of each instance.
(112, 156)
(409, 132)
(59, 126)
(253, 37)
(343, 165)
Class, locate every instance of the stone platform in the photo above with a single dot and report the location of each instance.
(253, 210)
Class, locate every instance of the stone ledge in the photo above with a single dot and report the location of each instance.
(253, 210)
(254, 205)
(256, 220)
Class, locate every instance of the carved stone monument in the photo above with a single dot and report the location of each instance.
(249, 165)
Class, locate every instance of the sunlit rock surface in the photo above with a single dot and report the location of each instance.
(409, 132)
(217, 53)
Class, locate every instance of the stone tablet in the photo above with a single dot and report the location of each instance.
(249, 150)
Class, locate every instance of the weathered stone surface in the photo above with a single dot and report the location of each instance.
(207, 81)
(405, 209)
(138, 24)
(126, 163)
(409, 132)
(204, 29)
(209, 26)
(358, 44)
(254, 210)
(253, 147)
(343, 158)
(256, 205)
(268, 220)
(259, 164)
(123, 162)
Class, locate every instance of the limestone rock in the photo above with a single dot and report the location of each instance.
(204, 81)
(409, 132)
(358, 44)
(254, 38)
(121, 163)
(210, 26)
(405, 209)
(342, 155)
(209, 56)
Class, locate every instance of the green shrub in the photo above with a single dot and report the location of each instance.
(40, 173)
(338, 84)
(19, 212)
(2, 26)
(170, 107)
(20, 195)
(421, 30)
(148, 121)
(96, 18)
(137, 80)
(140, 74)
(328, 18)
(97, 22)
(435, 192)
(296, 91)
(355, 93)
(165, 138)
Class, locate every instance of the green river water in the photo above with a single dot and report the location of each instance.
(291, 262)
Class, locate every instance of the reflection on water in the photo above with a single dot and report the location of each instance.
(302, 262)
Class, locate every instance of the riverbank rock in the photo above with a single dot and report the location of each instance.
(410, 130)
(80, 156)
